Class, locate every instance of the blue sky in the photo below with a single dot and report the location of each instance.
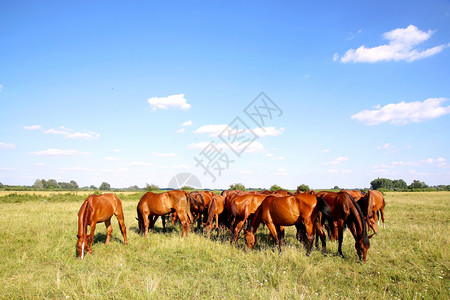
(137, 92)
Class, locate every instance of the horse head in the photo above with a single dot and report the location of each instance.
(81, 246)
(250, 239)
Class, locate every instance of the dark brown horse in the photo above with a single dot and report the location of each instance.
(354, 193)
(199, 205)
(346, 212)
(152, 204)
(276, 212)
(96, 209)
(215, 208)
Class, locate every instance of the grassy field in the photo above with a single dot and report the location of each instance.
(407, 260)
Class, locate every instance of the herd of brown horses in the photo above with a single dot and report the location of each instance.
(315, 215)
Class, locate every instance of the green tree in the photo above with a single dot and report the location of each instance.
(416, 184)
(237, 186)
(382, 183)
(105, 186)
(1, 185)
(52, 184)
(133, 188)
(74, 185)
(336, 188)
(93, 187)
(275, 187)
(399, 184)
(38, 185)
(187, 188)
(303, 188)
(151, 187)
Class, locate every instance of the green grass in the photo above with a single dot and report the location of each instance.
(407, 260)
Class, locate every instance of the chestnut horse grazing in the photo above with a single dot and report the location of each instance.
(298, 210)
(96, 209)
(345, 211)
(241, 208)
(375, 201)
(215, 208)
(152, 204)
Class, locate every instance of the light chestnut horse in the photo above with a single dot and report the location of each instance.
(96, 209)
(373, 203)
(153, 204)
(276, 212)
(215, 208)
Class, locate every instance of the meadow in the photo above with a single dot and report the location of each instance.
(409, 259)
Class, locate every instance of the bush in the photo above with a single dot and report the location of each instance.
(237, 186)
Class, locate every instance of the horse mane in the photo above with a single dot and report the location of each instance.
(363, 221)
(83, 216)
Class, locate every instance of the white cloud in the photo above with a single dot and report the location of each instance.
(267, 131)
(386, 146)
(142, 164)
(325, 151)
(215, 130)
(170, 102)
(58, 152)
(254, 147)
(6, 169)
(181, 130)
(116, 150)
(187, 123)
(402, 46)
(274, 157)
(170, 154)
(333, 171)
(198, 146)
(32, 127)
(335, 161)
(82, 169)
(281, 172)
(440, 162)
(69, 134)
(212, 130)
(1, 88)
(7, 146)
(404, 112)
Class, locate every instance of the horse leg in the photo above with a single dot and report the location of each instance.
(382, 216)
(340, 239)
(91, 237)
(310, 238)
(146, 224)
(273, 231)
(237, 230)
(184, 223)
(123, 229)
(163, 218)
(280, 232)
(109, 230)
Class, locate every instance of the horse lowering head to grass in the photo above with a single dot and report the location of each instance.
(96, 209)
(346, 212)
(276, 212)
(160, 204)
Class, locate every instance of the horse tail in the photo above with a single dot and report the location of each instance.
(212, 207)
(363, 221)
(190, 201)
(140, 220)
(325, 209)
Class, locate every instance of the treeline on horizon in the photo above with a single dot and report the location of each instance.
(380, 184)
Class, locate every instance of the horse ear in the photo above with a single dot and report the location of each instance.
(370, 236)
